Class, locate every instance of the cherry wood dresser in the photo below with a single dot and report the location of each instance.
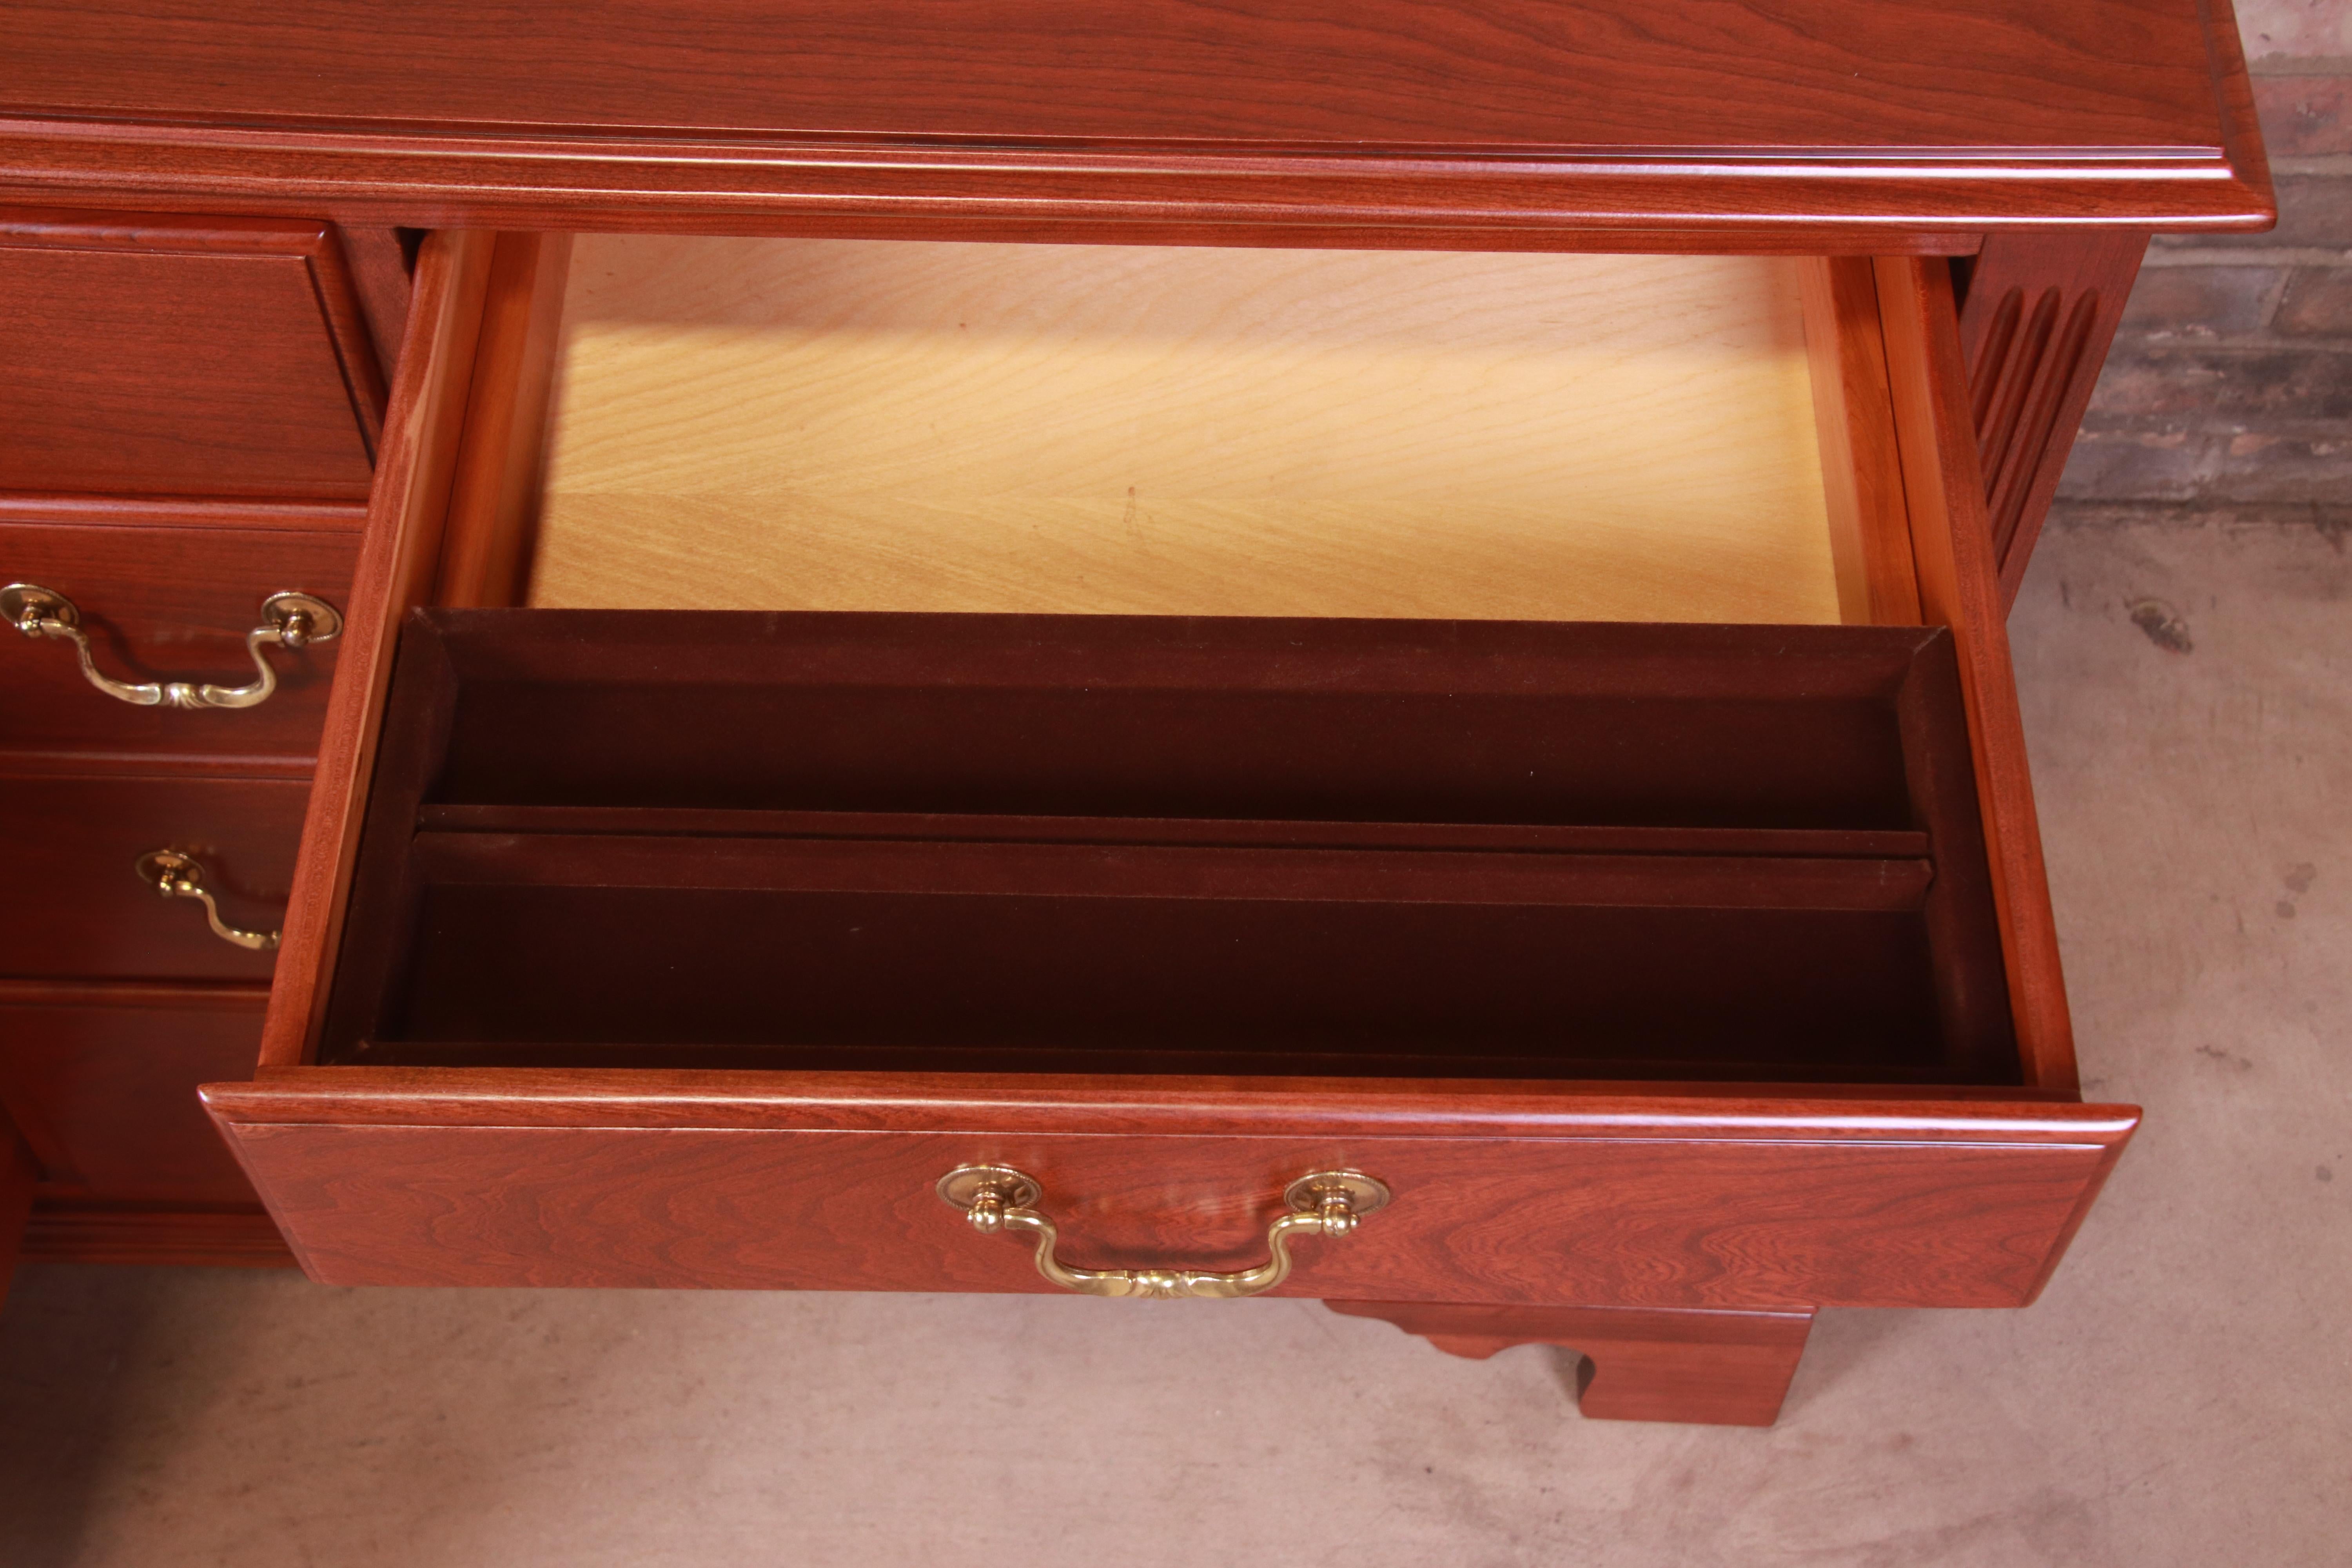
(1345, 650)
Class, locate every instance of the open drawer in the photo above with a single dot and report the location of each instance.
(1647, 962)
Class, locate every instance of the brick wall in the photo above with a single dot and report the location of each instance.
(2230, 387)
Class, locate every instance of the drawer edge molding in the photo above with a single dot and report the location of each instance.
(182, 512)
(1119, 1104)
(1548, 199)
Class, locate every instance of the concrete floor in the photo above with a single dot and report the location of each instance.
(2180, 1395)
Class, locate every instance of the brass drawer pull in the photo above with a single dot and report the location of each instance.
(178, 876)
(288, 620)
(996, 1198)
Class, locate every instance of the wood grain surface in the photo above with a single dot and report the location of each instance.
(159, 355)
(180, 511)
(500, 479)
(76, 838)
(1721, 1368)
(760, 1181)
(1959, 586)
(1202, 873)
(380, 277)
(833, 425)
(1461, 74)
(682, 943)
(101, 1080)
(1594, 723)
(1875, 844)
(1123, 1103)
(399, 554)
(1464, 115)
(165, 602)
(1862, 471)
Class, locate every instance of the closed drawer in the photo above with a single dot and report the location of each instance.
(435, 1104)
(168, 594)
(166, 355)
(79, 839)
(101, 1080)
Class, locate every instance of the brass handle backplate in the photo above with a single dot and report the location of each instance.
(996, 1199)
(288, 620)
(178, 876)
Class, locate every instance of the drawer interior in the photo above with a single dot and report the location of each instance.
(838, 425)
(1493, 692)
(1233, 845)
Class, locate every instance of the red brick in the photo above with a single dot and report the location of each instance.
(2198, 302)
(2249, 468)
(2138, 389)
(2281, 468)
(2294, 28)
(2148, 383)
(2317, 303)
(2125, 466)
(2305, 116)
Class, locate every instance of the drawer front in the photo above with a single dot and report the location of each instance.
(165, 604)
(800, 1185)
(101, 1081)
(181, 357)
(77, 840)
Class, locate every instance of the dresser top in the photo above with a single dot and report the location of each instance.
(1679, 114)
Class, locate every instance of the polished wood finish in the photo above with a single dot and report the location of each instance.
(397, 566)
(1959, 587)
(161, 600)
(1538, 1193)
(154, 1236)
(190, 404)
(57, 508)
(1156, 115)
(1407, 943)
(2041, 311)
(1722, 1369)
(494, 499)
(101, 1080)
(181, 356)
(979, 827)
(838, 426)
(75, 839)
(1853, 418)
(379, 261)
